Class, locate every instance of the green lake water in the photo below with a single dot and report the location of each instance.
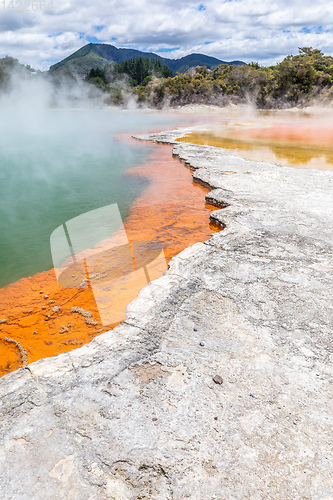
(56, 165)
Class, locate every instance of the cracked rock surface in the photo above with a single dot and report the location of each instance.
(136, 414)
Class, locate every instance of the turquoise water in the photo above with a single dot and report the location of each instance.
(56, 165)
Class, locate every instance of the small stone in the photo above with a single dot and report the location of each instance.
(73, 275)
(91, 321)
(41, 291)
(195, 329)
(46, 296)
(202, 344)
(154, 419)
(43, 307)
(217, 379)
(35, 332)
(215, 418)
(51, 301)
(30, 311)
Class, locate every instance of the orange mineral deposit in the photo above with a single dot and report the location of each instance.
(39, 317)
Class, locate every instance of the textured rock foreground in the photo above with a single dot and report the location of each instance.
(136, 414)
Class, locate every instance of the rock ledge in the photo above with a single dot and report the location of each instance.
(136, 414)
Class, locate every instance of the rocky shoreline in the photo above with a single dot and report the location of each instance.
(136, 413)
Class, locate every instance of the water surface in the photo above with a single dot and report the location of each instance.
(58, 165)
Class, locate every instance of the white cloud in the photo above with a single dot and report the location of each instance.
(249, 30)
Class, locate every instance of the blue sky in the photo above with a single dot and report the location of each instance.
(249, 30)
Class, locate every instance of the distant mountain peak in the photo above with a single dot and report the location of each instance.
(95, 55)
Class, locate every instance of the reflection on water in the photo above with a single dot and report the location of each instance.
(297, 145)
(93, 250)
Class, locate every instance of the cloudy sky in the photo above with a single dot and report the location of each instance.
(249, 30)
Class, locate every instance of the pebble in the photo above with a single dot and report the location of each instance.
(43, 307)
(46, 296)
(41, 291)
(195, 329)
(217, 379)
(202, 344)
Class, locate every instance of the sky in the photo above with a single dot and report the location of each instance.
(248, 30)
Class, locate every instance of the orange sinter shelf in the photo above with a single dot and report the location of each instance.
(37, 318)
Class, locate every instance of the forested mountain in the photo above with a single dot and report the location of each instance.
(139, 70)
(99, 55)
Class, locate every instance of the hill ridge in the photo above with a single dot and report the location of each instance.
(100, 54)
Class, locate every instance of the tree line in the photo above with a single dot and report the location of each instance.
(9, 66)
(297, 80)
(140, 70)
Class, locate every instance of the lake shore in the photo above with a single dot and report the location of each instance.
(218, 383)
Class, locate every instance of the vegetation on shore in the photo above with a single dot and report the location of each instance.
(60, 89)
(9, 66)
(298, 80)
(295, 81)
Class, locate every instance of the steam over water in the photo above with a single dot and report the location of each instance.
(56, 165)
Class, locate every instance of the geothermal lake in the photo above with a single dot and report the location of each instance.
(71, 166)
(58, 164)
